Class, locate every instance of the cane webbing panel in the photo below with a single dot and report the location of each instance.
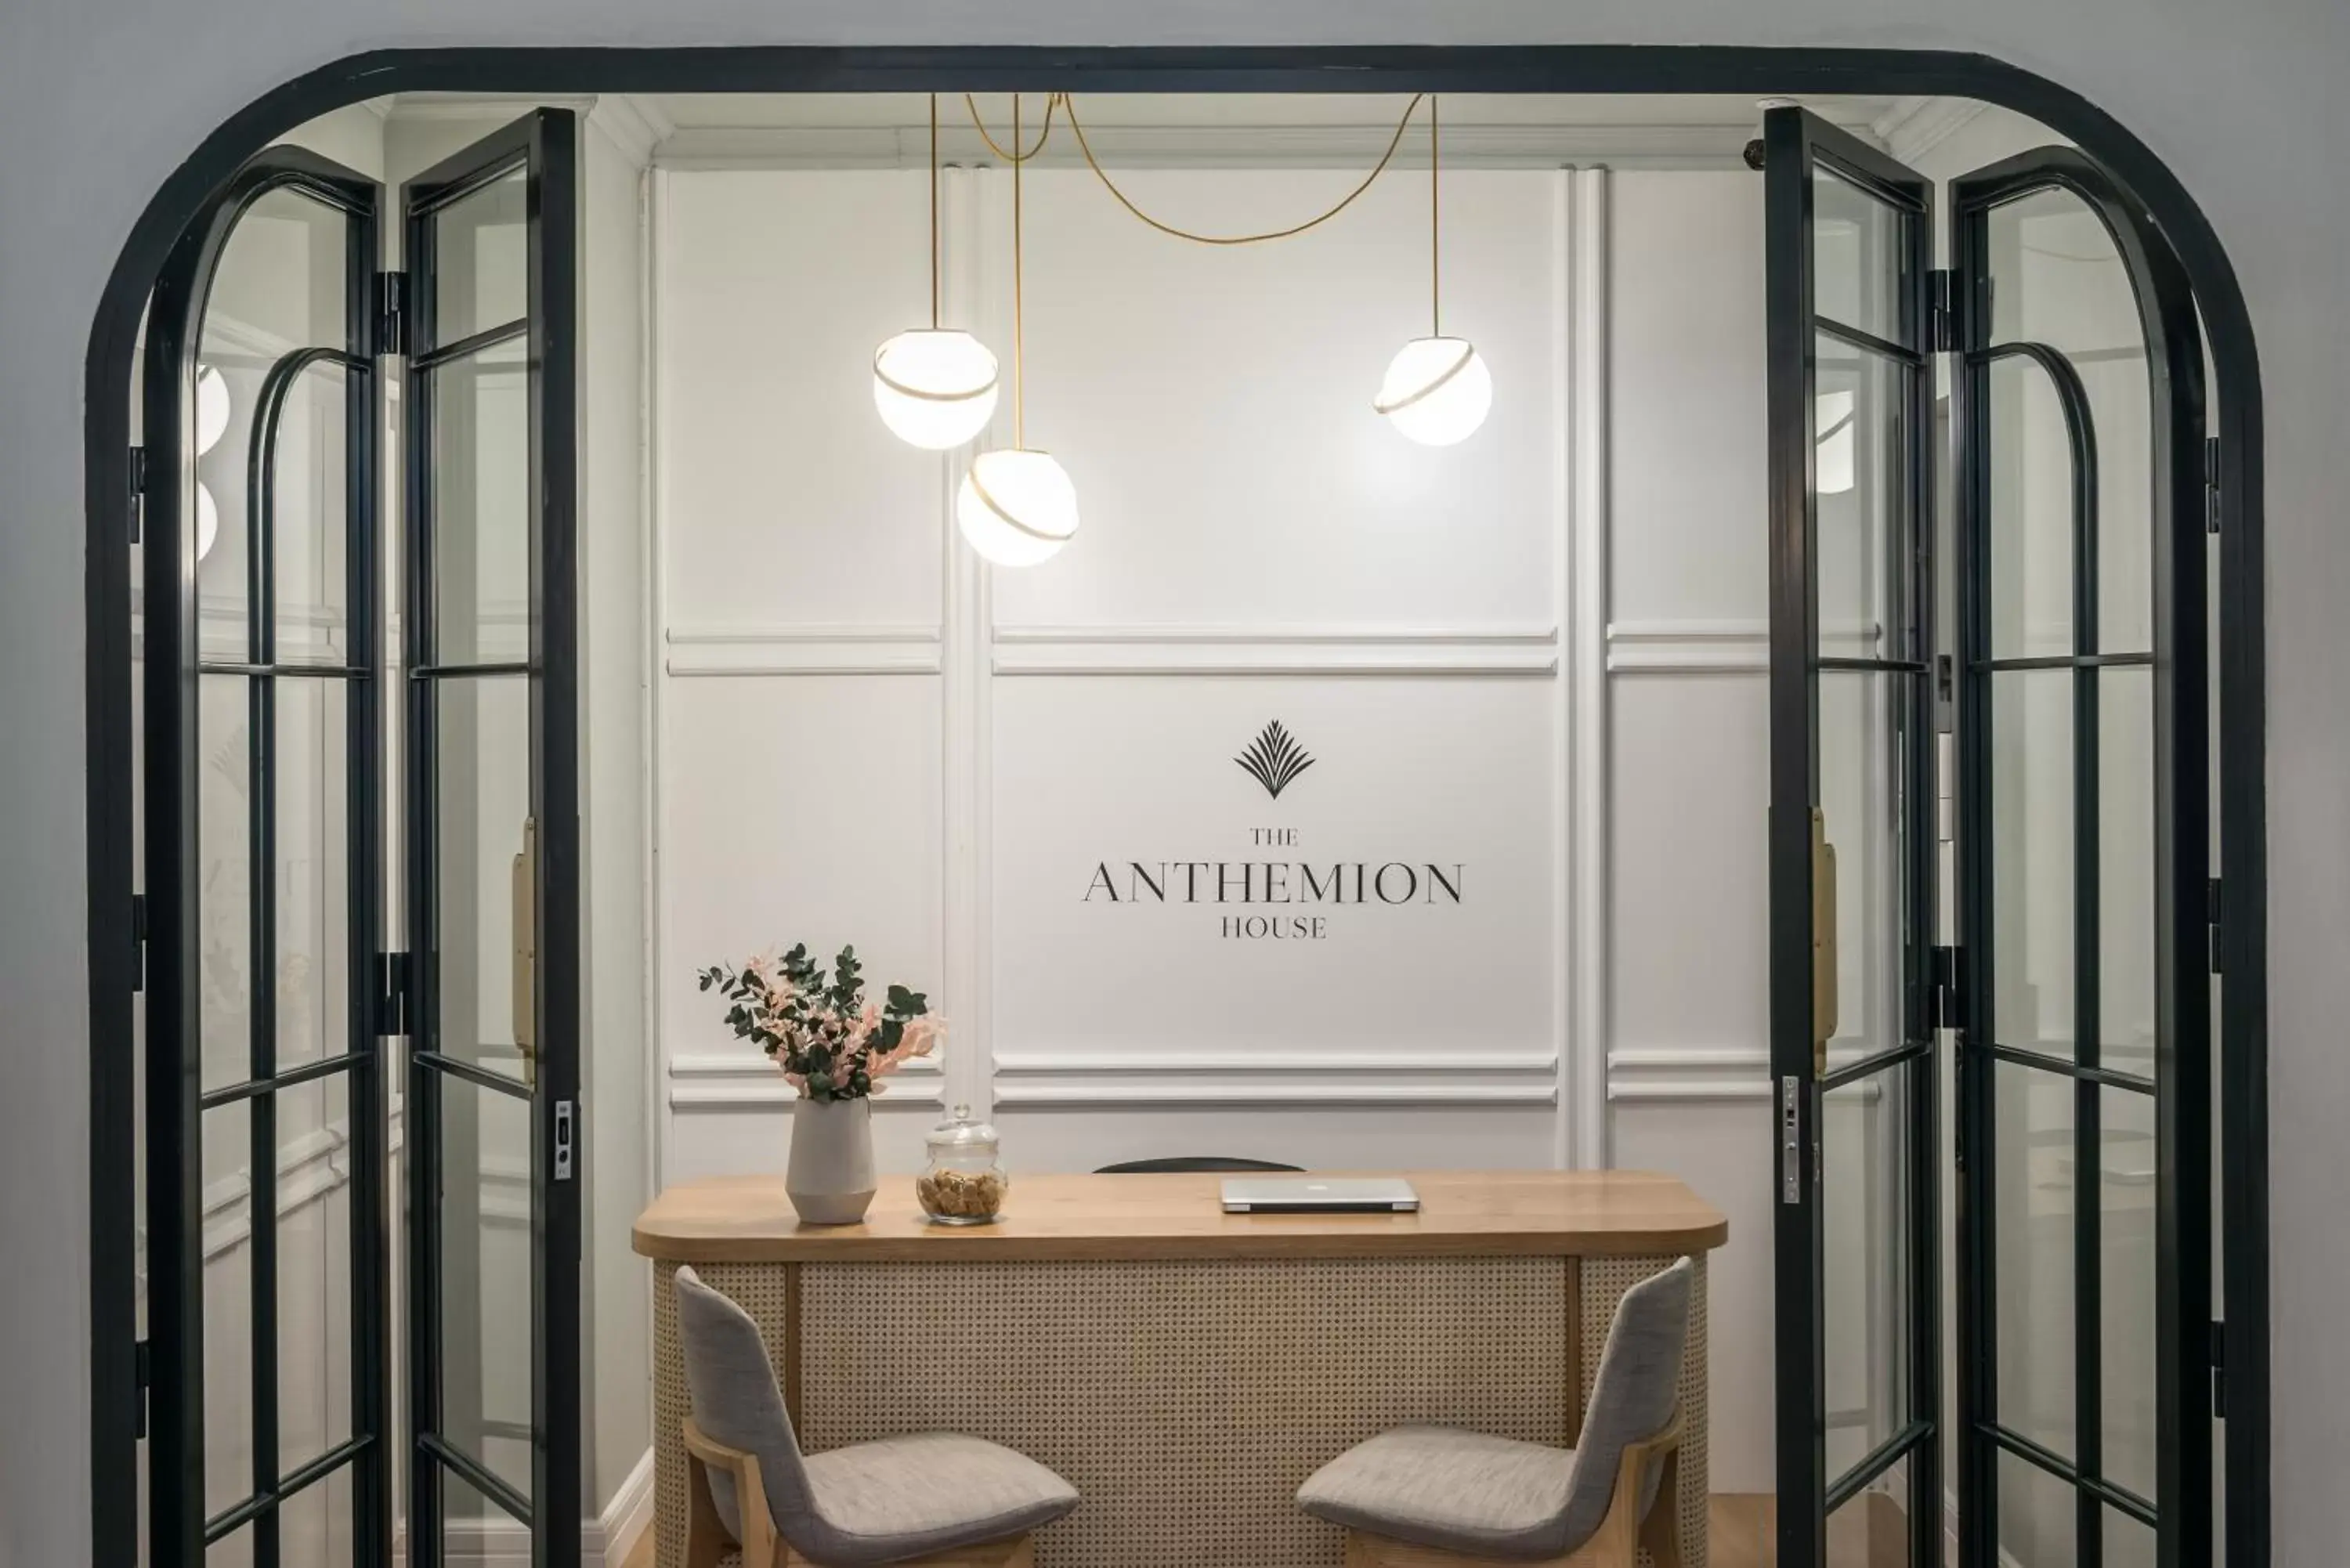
(1186, 1399)
(1605, 1280)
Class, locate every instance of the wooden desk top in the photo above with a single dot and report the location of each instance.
(1595, 1213)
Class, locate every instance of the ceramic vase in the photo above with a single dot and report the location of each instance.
(830, 1174)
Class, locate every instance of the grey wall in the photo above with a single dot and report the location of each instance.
(99, 99)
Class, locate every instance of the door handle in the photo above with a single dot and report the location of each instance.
(1824, 942)
(525, 924)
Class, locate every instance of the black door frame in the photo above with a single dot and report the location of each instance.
(176, 1099)
(2186, 1358)
(113, 936)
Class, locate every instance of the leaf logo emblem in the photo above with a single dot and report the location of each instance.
(1274, 759)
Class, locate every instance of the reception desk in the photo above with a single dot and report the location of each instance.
(1184, 1367)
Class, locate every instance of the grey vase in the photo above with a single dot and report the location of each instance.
(830, 1174)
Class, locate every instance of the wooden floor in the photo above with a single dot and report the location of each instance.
(1741, 1534)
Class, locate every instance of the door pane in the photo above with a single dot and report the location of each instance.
(314, 1525)
(480, 806)
(312, 867)
(2034, 1202)
(2128, 1543)
(2032, 810)
(1865, 1237)
(482, 258)
(228, 1307)
(485, 1296)
(1872, 1528)
(310, 500)
(2059, 281)
(481, 457)
(2129, 1286)
(1859, 472)
(1856, 257)
(224, 978)
(2125, 881)
(2038, 1517)
(314, 1270)
(2029, 511)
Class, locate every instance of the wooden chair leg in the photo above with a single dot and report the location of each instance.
(706, 1540)
(1660, 1533)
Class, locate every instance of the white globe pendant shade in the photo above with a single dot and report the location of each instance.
(211, 408)
(1437, 390)
(1016, 507)
(935, 388)
(207, 521)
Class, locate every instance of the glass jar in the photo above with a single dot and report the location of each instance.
(964, 1182)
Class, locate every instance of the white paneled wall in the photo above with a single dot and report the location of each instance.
(1535, 657)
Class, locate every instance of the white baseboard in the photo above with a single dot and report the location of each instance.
(605, 1541)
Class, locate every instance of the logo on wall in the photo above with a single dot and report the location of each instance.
(1274, 759)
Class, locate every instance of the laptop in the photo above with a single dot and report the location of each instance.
(1319, 1195)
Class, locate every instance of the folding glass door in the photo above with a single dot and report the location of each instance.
(2084, 1237)
(1847, 248)
(490, 813)
(268, 726)
(2077, 984)
(264, 1124)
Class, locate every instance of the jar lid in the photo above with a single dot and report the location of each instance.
(960, 1129)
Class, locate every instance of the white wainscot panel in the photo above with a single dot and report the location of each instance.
(785, 499)
(798, 809)
(1723, 1151)
(1685, 384)
(1213, 405)
(1689, 895)
(1164, 994)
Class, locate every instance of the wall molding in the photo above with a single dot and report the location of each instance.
(1717, 647)
(1705, 1073)
(734, 1080)
(1916, 126)
(1276, 649)
(310, 1168)
(779, 648)
(1472, 1078)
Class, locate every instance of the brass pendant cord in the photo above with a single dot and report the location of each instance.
(1069, 105)
(934, 212)
(1435, 247)
(1019, 326)
(1015, 158)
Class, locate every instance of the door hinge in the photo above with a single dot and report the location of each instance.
(142, 1374)
(1941, 317)
(2219, 1369)
(1948, 1013)
(394, 981)
(1946, 695)
(2214, 915)
(391, 306)
(2211, 484)
(137, 475)
(138, 941)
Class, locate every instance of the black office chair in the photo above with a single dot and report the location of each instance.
(1191, 1162)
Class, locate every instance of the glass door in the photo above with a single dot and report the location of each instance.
(1847, 248)
(2084, 852)
(491, 816)
(264, 1130)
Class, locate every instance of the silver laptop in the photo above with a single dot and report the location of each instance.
(1319, 1195)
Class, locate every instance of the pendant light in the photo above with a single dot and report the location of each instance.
(211, 408)
(1016, 507)
(1437, 390)
(935, 387)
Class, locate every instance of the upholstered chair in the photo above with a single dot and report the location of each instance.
(934, 1498)
(1434, 1497)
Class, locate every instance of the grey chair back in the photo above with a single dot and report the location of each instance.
(737, 1402)
(1634, 1395)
